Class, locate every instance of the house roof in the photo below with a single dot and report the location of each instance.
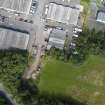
(13, 39)
(20, 6)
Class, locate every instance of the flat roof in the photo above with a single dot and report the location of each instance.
(20, 6)
(63, 14)
(13, 39)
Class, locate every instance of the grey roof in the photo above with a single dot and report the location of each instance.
(63, 14)
(21, 6)
(13, 39)
(97, 17)
(57, 38)
(56, 33)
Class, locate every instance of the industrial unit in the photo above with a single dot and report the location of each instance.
(57, 39)
(13, 39)
(63, 14)
(101, 16)
(18, 6)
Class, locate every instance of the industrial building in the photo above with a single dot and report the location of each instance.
(63, 14)
(97, 17)
(57, 39)
(13, 39)
(18, 6)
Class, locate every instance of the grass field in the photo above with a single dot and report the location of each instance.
(85, 82)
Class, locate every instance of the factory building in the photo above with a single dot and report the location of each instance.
(17, 6)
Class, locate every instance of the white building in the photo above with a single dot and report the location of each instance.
(17, 6)
(63, 14)
(13, 39)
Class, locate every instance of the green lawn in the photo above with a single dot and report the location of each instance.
(84, 82)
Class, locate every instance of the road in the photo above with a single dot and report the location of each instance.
(40, 39)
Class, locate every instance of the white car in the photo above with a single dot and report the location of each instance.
(73, 44)
(78, 29)
(75, 35)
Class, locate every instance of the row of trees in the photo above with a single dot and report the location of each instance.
(90, 42)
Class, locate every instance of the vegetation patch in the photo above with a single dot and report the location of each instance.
(84, 82)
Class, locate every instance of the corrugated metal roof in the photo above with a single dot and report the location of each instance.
(13, 39)
(57, 38)
(21, 6)
(101, 16)
(63, 14)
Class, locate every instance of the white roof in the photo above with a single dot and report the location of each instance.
(20, 6)
(63, 14)
(13, 39)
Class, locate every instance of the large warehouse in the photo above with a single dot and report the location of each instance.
(19, 6)
(63, 14)
(13, 39)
